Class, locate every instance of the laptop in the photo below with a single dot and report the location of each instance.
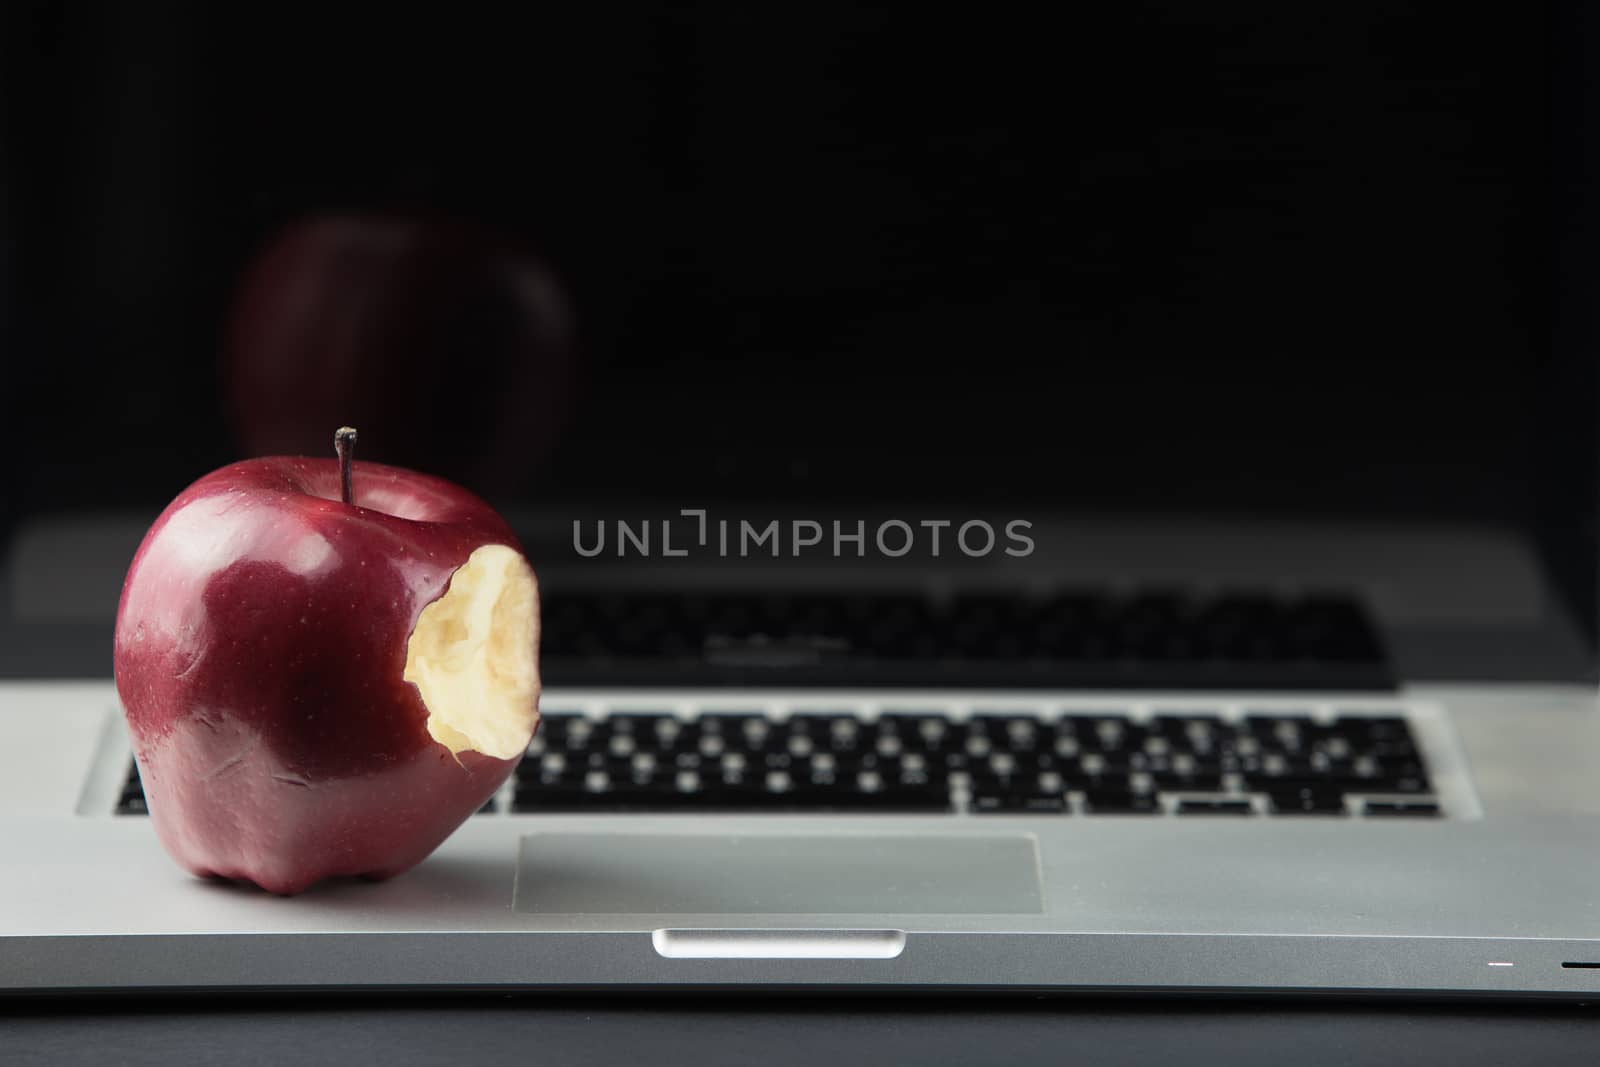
(987, 542)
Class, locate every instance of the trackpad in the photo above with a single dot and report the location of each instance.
(778, 874)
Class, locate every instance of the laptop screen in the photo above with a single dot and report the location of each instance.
(1156, 266)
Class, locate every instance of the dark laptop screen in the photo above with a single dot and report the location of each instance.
(1238, 261)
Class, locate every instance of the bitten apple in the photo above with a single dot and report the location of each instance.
(321, 678)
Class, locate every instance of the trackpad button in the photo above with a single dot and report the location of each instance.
(778, 874)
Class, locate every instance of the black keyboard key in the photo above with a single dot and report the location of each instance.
(896, 799)
(1119, 802)
(1422, 806)
(1198, 736)
(578, 799)
(1388, 785)
(554, 723)
(1109, 735)
(840, 735)
(1378, 727)
(887, 801)
(655, 731)
(639, 723)
(1281, 733)
(918, 777)
(1093, 772)
(550, 766)
(747, 733)
(1290, 784)
(1408, 766)
(934, 740)
(1180, 726)
(1009, 732)
(1019, 803)
(1218, 806)
(579, 735)
(1307, 801)
(1198, 781)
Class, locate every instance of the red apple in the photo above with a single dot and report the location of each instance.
(319, 688)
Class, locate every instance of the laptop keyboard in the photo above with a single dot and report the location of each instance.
(922, 761)
(1180, 764)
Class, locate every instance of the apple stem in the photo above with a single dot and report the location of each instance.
(344, 443)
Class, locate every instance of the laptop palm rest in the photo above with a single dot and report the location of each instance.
(778, 874)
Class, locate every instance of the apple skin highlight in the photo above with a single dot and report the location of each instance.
(260, 648)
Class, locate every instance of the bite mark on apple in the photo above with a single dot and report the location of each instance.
(473, 656)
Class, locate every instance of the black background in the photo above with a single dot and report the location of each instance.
(1231, 258)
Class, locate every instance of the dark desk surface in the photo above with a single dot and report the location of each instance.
(818, 1033)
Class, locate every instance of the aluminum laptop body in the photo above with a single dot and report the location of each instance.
(1484, 885)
